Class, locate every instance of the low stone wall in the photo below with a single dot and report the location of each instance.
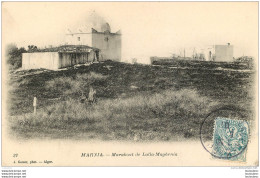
(55, 60)
(47, 60)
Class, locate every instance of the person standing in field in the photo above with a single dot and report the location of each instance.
(91, 95)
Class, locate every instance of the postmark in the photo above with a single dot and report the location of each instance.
(230, 139)
(224, 133)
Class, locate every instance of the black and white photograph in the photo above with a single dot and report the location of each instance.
(129, 84)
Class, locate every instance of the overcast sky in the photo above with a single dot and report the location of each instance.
(149, 29)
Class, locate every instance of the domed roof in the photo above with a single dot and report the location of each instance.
(105, 27)
(93, 21)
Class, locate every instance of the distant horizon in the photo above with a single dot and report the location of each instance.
(148, 28)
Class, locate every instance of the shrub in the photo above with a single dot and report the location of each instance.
(14, 56)
(160, 116)
(77, 85)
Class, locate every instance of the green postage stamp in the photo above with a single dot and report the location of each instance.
(230, 139)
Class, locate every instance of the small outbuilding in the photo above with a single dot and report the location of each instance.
(59, 57)
(220, 53)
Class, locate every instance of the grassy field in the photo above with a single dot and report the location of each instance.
(134, 102)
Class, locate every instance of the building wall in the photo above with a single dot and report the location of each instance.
(79, 39)
(209, 53)
(109, 45)
(47, 60)
(55, 60)
(71, 59)
(65, 60)
(224, 53)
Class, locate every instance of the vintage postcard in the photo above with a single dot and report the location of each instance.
(129, 84)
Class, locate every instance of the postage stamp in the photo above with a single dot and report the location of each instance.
(230, 139)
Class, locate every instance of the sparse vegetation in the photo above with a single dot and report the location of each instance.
(238, 64)
(146, 117)
(76, 86)
(14, 56)
(135, 102)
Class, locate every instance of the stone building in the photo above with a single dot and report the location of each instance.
(220, 53)
(100, 37)
(59, 57)
(94, 42)
(224, 53)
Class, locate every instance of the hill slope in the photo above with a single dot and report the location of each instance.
(134, 102)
